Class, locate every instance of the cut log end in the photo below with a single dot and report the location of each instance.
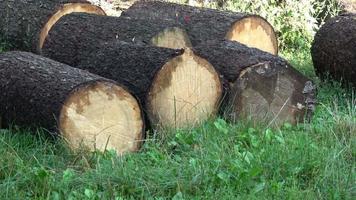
(186, 91)
(173, 38)
(102, 116)
(254, 31)
(270, 95)
(65, 10)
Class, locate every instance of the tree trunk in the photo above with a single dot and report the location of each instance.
(204, 24)
(334, 49)
(89, 28)
(25, 23)
(263, 87)
(85, 108)
(177, 88)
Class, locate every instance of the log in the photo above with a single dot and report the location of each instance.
(87, 110)
(89, 28)
(263, 87)
(334, 49)
(25, 23)
(205, 24)
(177, 88)
(348, 6)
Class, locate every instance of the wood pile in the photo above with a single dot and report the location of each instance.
(158, 65)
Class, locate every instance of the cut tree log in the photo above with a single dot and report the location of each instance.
(263, 87)
(334, 49)
(90, 28)
(86, 109)
(25, 23)
(177, 88)
(204, 24)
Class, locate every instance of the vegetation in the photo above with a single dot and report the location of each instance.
(217, 160)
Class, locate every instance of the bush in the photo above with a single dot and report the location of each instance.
(295, 21)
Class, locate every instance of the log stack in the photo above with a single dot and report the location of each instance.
(86, 109)
(171, 59)
(176, 87)
(204, 24)
(25, 23)
(334, 49)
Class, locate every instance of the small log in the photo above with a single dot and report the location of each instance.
(334, 49)
(25, 23)
(263, 87)
(89, 28)
(84, 108)
(204, 24)
(176, 87)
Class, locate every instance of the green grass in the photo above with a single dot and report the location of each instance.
(217, 160)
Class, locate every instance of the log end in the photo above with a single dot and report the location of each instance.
(265, 93)
(102, 116)
(185, 92)
(173, 38)
(65, 10)
(254, 31)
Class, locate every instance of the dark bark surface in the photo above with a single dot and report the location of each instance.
(34, 88)
(133, 66)
(231, 58)
(83, 29)
(334, 49)
(21, 21)
(202, 24)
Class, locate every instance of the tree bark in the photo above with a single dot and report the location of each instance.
(263, 87)
(85, 108)
(89, 28)
(23, 23)
(204, 24)
(334, 49)
(168, 82)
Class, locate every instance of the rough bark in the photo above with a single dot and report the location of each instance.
(22, 21)
(87, 110)
(34, 88)
(202, 24)
(250, 69)
(334, 49)
(149, 72)
(131, 65)
(89, 29)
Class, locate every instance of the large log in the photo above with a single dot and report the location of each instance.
(263, 87)
(176, 87)
(89, 28)
(204, 24)
(334, 49)
(86, 109)
(25, 23)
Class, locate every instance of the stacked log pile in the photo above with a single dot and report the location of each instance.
(178, 88)
(163, 65)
